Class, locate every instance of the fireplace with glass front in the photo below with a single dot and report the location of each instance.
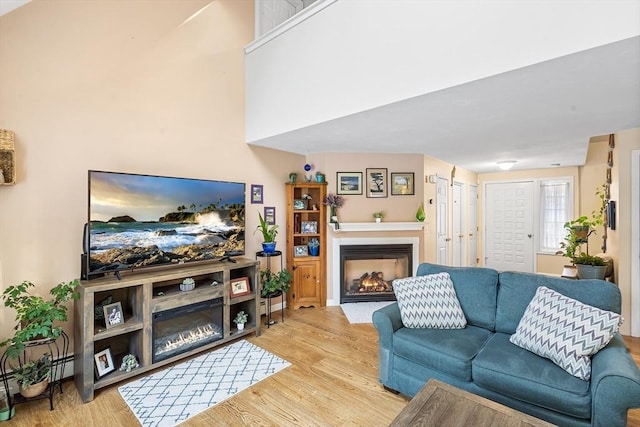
(367, 271)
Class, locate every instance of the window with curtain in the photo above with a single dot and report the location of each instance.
(556, 200)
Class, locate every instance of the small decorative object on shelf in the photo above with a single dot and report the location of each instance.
(420, 215)
(314, 246)
(307, 168)
(378, 216)
(187, 284)
(129, 362)
(319, 177)
(334, 202)
(293, 177)
(240, 320)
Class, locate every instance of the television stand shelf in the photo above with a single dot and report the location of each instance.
(144, 295)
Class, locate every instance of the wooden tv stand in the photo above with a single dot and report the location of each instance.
(142, 295)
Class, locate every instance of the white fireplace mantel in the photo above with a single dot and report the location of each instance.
(377, 226)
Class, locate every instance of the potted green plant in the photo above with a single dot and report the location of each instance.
(35, 316)
(378, 216)
(269, 233)
(578, 232)
(240, 319)
(274, 283)
(33, 376)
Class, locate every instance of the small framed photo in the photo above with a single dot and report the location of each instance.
(299, 204)
(270, 215)
(113, 315)
(239, 286)
(256, 194)
(402, 183)
(376, 182)
(309, 227)
(300, 250)
(349, 182)
(104, 362)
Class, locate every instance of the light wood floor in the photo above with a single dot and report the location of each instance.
(333, 381)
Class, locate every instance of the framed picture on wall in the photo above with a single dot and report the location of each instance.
(256, 193)
(402, 183)
(376, 182)
(349, 182)
(270, 215)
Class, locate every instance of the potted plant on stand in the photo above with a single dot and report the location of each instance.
(273, 284)
(578, 232)
(35, 318)
(269, 233)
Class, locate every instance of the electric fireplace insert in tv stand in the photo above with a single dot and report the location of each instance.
(201, 319)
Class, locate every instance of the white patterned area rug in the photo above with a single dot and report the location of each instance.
(361, 312)
(171, 396)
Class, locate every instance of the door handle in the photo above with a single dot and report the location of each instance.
(447, 239)
(529, 235)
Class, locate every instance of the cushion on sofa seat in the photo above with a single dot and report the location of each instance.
(513, 371)
(446, 350)
(565, 331)
(429, 302)
(516, 290)
(476, 289)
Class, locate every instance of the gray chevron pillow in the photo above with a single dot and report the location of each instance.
(429, 301)
(564, 330)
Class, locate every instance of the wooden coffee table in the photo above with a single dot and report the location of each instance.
(439, 404)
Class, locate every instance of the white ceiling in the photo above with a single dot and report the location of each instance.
(7, 6)
(539, 115)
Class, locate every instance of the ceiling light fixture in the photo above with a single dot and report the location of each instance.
(505, 165)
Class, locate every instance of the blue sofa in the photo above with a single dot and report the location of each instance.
(481, 360)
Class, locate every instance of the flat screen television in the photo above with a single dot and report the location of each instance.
(138, 221)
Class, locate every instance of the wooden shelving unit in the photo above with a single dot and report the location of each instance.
(309, 287)
(142, 295)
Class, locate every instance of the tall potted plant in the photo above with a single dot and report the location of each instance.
(269, 233)
(35, 319)
(578, 232)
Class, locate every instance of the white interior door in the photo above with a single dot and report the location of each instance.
(472, 225)
(458, 233)
(509, 226)
(442, 223)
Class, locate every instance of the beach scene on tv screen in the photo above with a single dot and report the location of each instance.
(141, 220)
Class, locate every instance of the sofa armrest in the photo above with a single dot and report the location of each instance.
(615, 384)
(386, 320)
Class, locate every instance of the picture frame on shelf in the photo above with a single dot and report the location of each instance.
(103, 362)
(299, 204)
(377, 182)
(257, 194)
(309, 227)
(270, 215)
(402, 183)
(300, 250)
(113, 315)
(349, 183)
(239, 287)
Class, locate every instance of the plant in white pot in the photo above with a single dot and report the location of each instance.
(240, 319)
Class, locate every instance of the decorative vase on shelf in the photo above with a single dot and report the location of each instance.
(334, 214)
(420, 216)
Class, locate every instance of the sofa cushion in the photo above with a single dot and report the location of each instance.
(429, 302)
(476, 289)
(512, 371)
(565, 331)
(516, 290)
(449, 351)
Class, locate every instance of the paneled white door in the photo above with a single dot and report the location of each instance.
(509, 226)
(458, 233)
(442, 221)
(472, 225)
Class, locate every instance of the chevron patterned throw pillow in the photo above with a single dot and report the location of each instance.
(566, 331)
(429, 302)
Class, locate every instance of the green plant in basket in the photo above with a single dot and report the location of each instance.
(33, 372)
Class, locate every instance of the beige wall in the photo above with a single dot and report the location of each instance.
(122, 86)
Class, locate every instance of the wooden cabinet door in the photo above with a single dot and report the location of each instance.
(306, 284)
